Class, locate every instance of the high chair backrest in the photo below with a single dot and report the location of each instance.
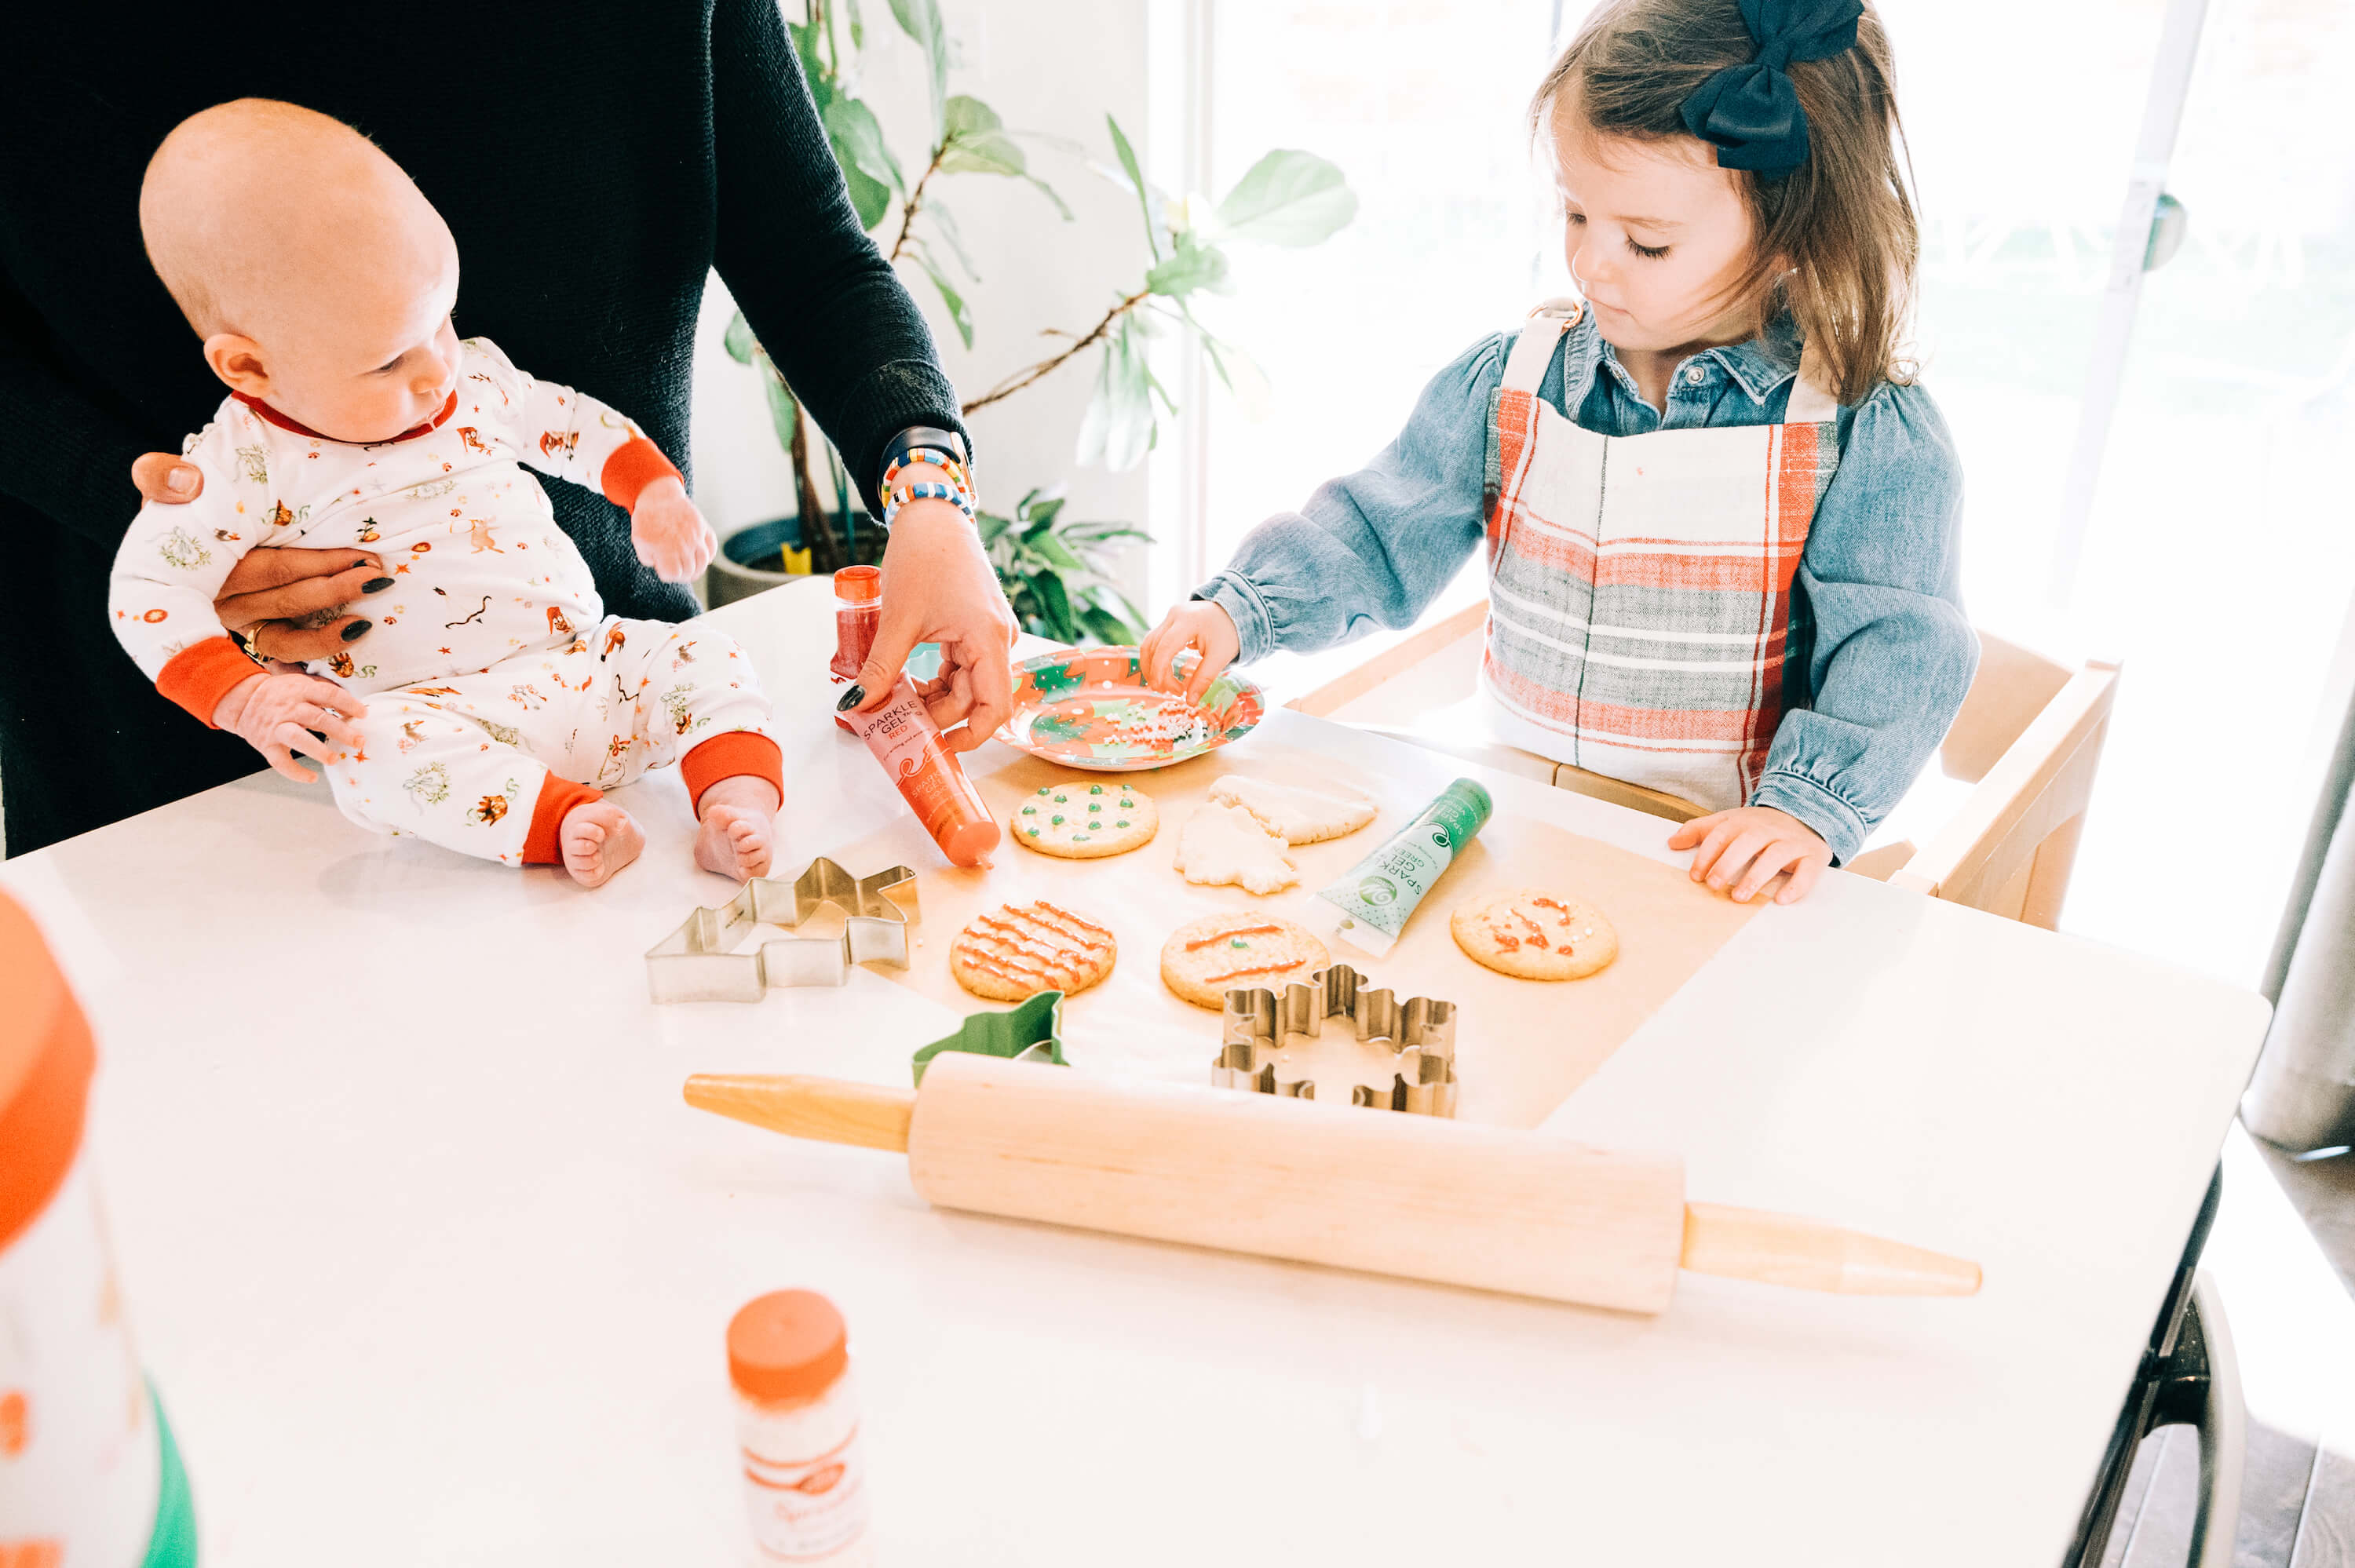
(2029, 737)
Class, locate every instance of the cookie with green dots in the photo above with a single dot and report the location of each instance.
(1084, 821)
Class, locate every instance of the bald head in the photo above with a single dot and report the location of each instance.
(258, 214)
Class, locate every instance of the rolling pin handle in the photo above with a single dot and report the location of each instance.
(1808, 1255)
(871, 1115)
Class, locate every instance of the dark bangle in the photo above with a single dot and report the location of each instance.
(916, 436)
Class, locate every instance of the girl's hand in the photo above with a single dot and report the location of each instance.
(1199, 624)
(1755, 844)
(939, 587)
(277, 715)
(670, 534)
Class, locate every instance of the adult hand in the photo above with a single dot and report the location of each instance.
(284, 601)
(1746, 849)
(938, 587)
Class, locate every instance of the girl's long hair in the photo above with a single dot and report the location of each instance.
(1842, 222)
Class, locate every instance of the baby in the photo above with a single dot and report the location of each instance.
(501, 699)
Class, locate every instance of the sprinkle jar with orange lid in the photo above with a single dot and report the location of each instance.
(797, 1426)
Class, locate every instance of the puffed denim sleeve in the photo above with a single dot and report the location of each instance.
(1374, 547)
(1888, 653)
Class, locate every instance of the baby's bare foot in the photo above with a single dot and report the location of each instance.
(737, 836)
(598, 838)
(734, 842)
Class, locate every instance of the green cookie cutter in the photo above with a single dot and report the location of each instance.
(1026, 1033)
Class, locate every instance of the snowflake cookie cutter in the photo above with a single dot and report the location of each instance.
(1421, 1031)
(697, 961)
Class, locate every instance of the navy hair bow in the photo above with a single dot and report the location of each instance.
(1750, 113)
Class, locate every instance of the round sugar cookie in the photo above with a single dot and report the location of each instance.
(1017, 950)
(1084, 821)
(1204, 958)
(1531, 934)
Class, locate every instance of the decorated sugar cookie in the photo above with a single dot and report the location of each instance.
(1084, 821)
(1531, 934)
(1020, 950)
(1204, 958)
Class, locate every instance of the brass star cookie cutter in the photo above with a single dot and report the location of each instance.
(697, 961)
(1420, 1032)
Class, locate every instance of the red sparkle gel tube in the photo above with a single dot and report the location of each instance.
(902, 735)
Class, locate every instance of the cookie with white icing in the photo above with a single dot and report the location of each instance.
(1301, 813)
(1017, 950)
(1531, 934)
(1226, 844)
(1204, 958)
(1084, 821)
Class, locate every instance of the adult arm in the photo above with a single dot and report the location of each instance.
(1375, 546)
(1892, 655)
(819, 296)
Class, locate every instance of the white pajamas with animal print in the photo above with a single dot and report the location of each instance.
(500, 694)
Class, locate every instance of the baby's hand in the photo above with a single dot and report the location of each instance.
(1767, 841)
(276, 714)
(670, 534)
(1199, 624)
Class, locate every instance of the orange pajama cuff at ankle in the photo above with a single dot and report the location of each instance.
(635, 465)
(557, 796)
(738, 754)
(202, 673)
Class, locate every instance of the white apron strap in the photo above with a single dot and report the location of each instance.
(1810, 404)
(1533, 350)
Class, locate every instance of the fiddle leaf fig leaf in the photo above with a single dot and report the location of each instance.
(739, 341)
(920, 20)
(1136, 182)
(1191, 265)
(858, 140)
(1288, 197)
(958, 314)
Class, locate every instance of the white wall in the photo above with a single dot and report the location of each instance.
(1055, 67)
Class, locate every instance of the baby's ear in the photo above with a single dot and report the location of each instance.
(238, 360)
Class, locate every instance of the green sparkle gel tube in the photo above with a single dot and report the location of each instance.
(1370, 907)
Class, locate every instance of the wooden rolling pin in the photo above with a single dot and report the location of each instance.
(1393, 1193)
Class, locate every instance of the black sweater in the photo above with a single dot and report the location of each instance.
(594, 158)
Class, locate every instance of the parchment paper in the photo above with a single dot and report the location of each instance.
(1521, 1045)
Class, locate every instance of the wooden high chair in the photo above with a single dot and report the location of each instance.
(2029, 737)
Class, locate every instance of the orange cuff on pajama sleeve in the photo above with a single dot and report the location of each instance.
(201, 674)
(557, 796)
(739, 753)
(632, 468)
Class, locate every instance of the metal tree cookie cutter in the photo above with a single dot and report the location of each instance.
(697, 963)
(1421, 1031)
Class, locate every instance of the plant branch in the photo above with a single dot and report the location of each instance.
(916, 200)
(1015, 383)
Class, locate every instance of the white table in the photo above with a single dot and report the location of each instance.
(432, 1264)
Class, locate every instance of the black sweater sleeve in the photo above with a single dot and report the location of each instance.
(818, 294)
(66, 456)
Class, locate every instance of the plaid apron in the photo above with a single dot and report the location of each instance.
(1639, 587)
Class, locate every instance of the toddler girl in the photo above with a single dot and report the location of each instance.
(501, 700)
(1720, 518)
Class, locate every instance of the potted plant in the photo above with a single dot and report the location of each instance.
(1054, 569)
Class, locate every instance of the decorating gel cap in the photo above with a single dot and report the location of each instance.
(786, 1347)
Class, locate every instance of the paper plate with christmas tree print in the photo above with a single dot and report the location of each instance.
(1090, 708)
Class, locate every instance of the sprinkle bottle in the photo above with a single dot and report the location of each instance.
(857, 612)
(797, 1427)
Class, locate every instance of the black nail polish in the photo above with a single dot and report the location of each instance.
(355, 566)
(851, 699)
(376, 584)
(352, 633)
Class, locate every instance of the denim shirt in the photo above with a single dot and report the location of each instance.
(1880, 654)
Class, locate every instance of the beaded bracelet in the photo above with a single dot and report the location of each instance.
(898, 496)
(922, 456)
